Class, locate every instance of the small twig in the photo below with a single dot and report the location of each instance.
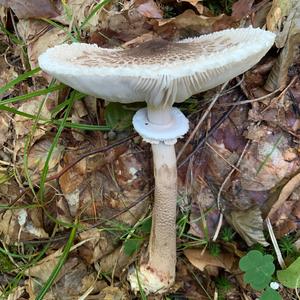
(221, 189)
(250, 100)
(282, 93)
(204, 138)
(201, 120)
(220, 155)
(275, 244)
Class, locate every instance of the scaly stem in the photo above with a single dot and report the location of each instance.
(156, 272)
(162, 245)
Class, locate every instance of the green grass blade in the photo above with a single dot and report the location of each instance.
(63, 28)
(19, 79)
(269, 155)
(59, 265)
(100, 5)
(56, 122)
(11, 36)
(54, 144)
(33, 94)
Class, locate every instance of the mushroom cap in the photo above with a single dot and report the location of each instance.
(157, 72)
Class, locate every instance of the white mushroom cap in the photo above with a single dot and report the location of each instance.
(158, 72)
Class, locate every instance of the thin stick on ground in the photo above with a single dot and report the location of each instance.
(275, 244)
(196, 129)
(221, 189)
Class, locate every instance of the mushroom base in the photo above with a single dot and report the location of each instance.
(150, 280)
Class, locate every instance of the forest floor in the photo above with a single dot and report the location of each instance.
(76, 180)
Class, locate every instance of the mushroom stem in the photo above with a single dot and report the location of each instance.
(162, 244)
(157, 272)
(160, 116)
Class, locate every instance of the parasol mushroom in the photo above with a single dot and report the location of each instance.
(160, 73)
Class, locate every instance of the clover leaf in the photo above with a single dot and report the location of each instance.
(258, 269)
(290, 277)
(270, 294)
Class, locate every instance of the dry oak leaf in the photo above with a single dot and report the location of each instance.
(4, 128)
(285, 193)
(31, 8)
(278, 12)
(20, 224)
(196, 4)
(202, 259)
(148, 9)
(241, 9)
(248, 224)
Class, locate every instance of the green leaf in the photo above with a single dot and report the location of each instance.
(258, 269)
(117, 116)
(270, 294)
(290, 277)
(132, 245)
(146, 225)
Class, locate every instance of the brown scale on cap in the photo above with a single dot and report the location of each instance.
(152, 53)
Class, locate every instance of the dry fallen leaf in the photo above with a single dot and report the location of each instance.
(241, 9)
(148, 9)
(38, 155)
(31, 8)
(7, 73)
(264, 165)
(203, 204)
(196, 4)
(115, 261)
(4, 128)
(112, 293)
(189, 24)
(16, 293)
(289, 39)
(285, 193)
(202, 259)
(278, 12)
(79, 10)
(73, 280)
(23, 125)
(22, 225)
(249, 225)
